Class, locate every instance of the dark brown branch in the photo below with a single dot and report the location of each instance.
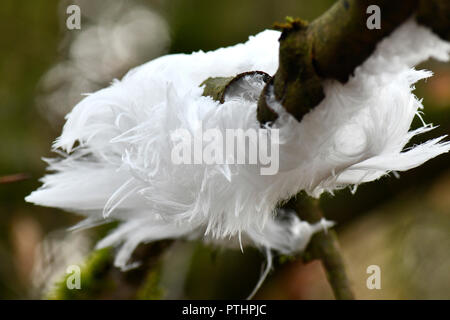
(436, 15)
(341, 40)
(334, 44)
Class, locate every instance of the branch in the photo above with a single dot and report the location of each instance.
(333, 45)
(436, 15)
(101, 280)
(325, 247)
(14, 178)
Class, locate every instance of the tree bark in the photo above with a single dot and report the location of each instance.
(333, 45)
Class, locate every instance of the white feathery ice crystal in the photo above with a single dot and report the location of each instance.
(115, 148)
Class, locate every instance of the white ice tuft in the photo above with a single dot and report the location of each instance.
(116, 146)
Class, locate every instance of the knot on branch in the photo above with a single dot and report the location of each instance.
(291, 24)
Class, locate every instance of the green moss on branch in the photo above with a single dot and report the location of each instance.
(101, 280)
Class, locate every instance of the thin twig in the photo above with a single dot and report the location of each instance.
(14, 178)
(324, 246)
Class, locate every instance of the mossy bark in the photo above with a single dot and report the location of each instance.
(101, 280)
(333, 45)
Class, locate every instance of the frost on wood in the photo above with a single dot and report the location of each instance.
(115, 149)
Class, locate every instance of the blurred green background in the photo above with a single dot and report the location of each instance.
(402, 225)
